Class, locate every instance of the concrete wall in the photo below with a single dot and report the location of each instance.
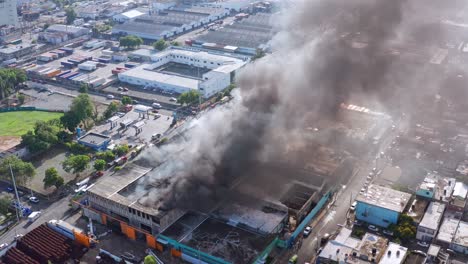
(425, 234)
(214, 82)
(376, 215)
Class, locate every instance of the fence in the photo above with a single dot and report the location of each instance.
(27, 108)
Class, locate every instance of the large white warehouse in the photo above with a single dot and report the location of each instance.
(181, 69)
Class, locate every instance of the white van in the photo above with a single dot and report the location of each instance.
(34, 216)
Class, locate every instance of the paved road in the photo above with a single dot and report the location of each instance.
(337, 213)
(58, 209)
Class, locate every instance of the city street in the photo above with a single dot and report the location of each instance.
(337, 212)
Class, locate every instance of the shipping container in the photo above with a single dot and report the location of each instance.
(98, 82)
(107, 52)
(67, 64)
(44, 70)
(65, 76)
(72, 75)
(63, 73)
(53, 73)
(87, 67)
(67, 50)
(80, 78)
(44, 57)
(16, 41)
(103, 60)
(75, 76)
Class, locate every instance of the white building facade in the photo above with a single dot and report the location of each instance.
(218, 71)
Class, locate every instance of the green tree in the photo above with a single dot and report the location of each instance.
(5, 202)
(259, 54)
(42, 138)
(111, 109)
(10, 78)
(99, 164)
(84, 87)
(108, 155)
(160, 45)
(126, 100)
(189, 97)
(21, 98)
(76, 163)
(52, 178)
(121, 150)
(82, 108)
(23, 171)
(149, 260)
(130, 41)
(175, 43)
(71, 15)
(405, 229)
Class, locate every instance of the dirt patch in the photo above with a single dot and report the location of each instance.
(8, 142)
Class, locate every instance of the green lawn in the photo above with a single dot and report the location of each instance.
(18, 123)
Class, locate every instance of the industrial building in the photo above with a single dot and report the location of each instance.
(245, 36)
(16, 51)
(167, 23)
(115, 201)
(129, 15)
(380, 205)
(429, 225)
(180, 70)
(8, 13)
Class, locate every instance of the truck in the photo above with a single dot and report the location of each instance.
(87, 66)
(34, 216)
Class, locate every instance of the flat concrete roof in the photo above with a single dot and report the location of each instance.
(114, 186)
(384, 197)
(447, 229)
(141, 72)
(433, 216)
(94, 138)
(395, 254)
(461, 236)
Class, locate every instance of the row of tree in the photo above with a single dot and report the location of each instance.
(10, 78)
(130, 41)
(188, 98)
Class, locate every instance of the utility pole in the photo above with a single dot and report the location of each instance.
(16, 192)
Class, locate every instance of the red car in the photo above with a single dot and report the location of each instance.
(98, 174)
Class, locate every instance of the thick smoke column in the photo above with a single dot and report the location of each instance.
(315, 67)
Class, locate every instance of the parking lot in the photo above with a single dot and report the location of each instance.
(102, 71)
(143, 93)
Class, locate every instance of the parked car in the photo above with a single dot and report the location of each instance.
(353, 206)
(110, 96)
(17, 237)
(156, 105)
(173, 99)
(307, 231)
(373, 228)
(423, 244)
(357, 223)
(33, 199)
(3, 246)
(34, 216)
(388, 232)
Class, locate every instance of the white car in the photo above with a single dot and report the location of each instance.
(373, 228)
(33, 199)
(156, 105)
(307, 231)
(3, 246)
(18, 236)
(388, 232)
(423, 244)
(110, 96)
(353, 206)
(173, 99)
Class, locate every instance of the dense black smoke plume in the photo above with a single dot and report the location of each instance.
(326, 52)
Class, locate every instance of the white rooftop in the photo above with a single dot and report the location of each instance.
(132, 14)
(395, 254)
(199, 55)
(336, 251)
(433, 216)
(141, 72)
(344, 237)
(447, 229)
(384, 197)
(433, 250)
(460, 191)
(461, 235)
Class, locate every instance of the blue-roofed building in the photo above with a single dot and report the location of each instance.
(95, 141)
(381, 206)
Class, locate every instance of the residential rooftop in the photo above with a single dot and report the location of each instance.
(372, 246)
(441, 188)
(461, 235)
(395, 254)
(447, 230)
(384, 197)
(433, 216)
(417, 209)
(335, 251)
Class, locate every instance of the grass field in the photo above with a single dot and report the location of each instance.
(18, 123)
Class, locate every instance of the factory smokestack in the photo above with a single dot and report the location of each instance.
(326, 52)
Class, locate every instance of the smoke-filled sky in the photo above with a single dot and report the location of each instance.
(325, 52)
